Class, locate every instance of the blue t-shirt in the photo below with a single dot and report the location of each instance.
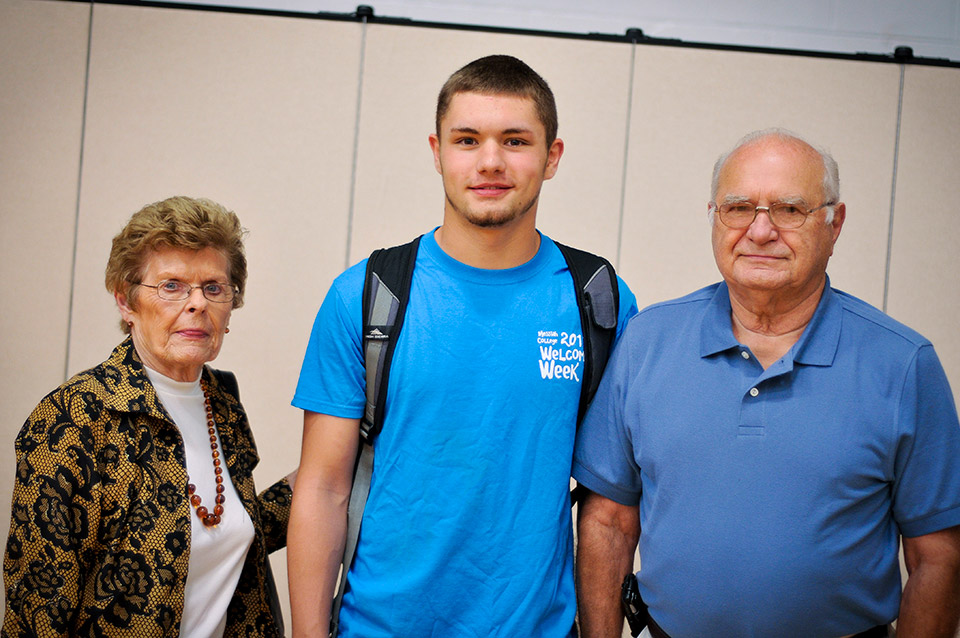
(467, 528)
(771, 500)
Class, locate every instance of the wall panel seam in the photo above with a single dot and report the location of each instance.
(356, 142)
(626, 152)
(76, 212)
(893, 190)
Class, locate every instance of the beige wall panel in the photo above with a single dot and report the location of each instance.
(42, 60)
(691, 105)
(257, 113)
(924, 292)
(398, 192)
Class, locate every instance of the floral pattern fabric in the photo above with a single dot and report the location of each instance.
(100, 524)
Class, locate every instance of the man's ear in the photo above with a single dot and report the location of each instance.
(553, 158)
(839, 216)
(435, 147)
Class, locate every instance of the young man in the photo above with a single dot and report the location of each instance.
(467, 529)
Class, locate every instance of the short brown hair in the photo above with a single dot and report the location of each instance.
(177, 222)
(502, 75)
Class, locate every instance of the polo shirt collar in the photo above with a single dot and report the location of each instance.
(716, 332)
(819, 342)
(817, 346)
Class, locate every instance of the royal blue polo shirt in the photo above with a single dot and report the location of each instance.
(771, 500)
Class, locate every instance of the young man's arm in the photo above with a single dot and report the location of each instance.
(931, 598)
(607, 534)
(318, 519)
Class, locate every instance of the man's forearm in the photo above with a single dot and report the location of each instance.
(930, 607)
(315, 541)
(604, 556)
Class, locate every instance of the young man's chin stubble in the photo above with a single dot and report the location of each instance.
(495, 219)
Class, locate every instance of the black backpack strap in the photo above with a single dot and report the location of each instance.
(598, 297)
(386, 290)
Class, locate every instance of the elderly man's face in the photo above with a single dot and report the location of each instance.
(762, 257)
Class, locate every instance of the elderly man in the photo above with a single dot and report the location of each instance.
(769, 439)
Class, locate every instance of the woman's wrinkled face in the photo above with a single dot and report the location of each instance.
(176, 338)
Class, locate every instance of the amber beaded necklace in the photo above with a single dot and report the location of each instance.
(210, 519)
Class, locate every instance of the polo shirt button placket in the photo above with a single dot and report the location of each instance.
(754, 392)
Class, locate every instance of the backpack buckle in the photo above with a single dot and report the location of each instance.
(367, 431)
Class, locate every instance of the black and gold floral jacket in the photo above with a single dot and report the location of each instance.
(100, 531)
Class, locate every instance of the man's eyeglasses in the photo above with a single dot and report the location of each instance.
(173, 290)
(782, 215)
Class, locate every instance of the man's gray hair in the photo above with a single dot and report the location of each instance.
(831, 172)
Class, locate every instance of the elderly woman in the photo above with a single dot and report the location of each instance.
(134, 508)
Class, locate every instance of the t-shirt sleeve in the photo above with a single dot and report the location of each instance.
(332, 376)
(926, 487)
(628, 305)
(604, 460)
